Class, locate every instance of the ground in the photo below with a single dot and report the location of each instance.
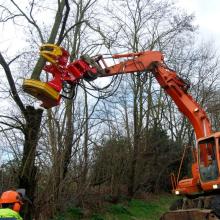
(136, 209)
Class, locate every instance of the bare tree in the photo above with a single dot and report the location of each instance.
(128, 119)
(32, 117)
(146, 25)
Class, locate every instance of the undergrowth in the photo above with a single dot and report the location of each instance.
(128, 210)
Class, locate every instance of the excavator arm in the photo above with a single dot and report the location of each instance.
(65, 75)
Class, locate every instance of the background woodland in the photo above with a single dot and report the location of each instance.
(118, 137)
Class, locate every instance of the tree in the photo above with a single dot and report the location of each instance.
(30, 125)
(146, 25)
(59, 146)
(111, 165)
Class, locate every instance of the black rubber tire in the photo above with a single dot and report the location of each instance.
(215, 205)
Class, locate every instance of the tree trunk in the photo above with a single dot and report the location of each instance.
(27, 174)
(136, 140)
(53, 34)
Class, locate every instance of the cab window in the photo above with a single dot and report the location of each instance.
(207, 160)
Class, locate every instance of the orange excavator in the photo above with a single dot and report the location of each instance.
(201, 190)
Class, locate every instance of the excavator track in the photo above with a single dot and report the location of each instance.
(190, 214)
(201, 208)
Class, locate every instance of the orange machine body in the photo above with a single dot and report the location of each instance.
(205, 169)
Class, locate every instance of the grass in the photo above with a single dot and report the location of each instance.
(137, 209)
(72, 213)
(132, 210)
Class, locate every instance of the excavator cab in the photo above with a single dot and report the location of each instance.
(205, 170)
(208, 162)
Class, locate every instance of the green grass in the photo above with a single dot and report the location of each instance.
(132, 210)
(72, 213)
(137, 210)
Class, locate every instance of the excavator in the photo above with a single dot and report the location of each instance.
(199, 194)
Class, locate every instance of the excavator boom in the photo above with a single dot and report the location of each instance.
(90, 68)
(205, 169)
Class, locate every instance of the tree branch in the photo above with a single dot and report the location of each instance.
(61, 36)
(15, 58)
(53, 34)
(31, 21)
(14, 92)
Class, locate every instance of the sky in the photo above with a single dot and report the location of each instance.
(207, 14)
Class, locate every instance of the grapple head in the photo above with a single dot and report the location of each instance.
(54, 54)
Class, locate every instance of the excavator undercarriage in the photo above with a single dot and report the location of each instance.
(190, 214)
(201, 208)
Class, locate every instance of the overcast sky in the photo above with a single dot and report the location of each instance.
(207, 14)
